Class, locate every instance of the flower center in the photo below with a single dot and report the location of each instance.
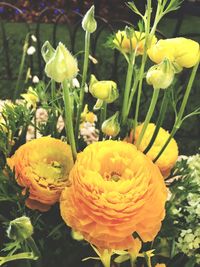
(112, 176)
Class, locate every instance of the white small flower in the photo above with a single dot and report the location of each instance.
(75, 83)
(33, 37)
(35, 79)
(31, 50)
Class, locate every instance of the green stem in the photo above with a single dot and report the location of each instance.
(84, 77)
(31, 243)
(53, 91)
(149, 115)
(133, 90)
(102, 117)
(140, 79)
(181, 111)
(127, 89)
(19, 256)
(144, 58)
(21, 68)
(159, 122)
(68, 118)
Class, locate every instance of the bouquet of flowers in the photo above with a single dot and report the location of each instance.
(76, 149)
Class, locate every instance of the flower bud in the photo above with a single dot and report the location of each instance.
(47, 51)
(60, 65)
(89, 23)
(111, 126)
(20, 229)
(103, 90)
(161, 76)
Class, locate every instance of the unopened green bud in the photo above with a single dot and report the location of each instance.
(20, 229)
(103, 90)
(60, 65)
(129, 32)
(47, 51)
(161, 76)
(111, 126)
(89, 23)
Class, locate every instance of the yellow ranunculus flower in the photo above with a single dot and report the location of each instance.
(115, 190)
(182, 51)
(160, 265)
(60, 65)
(42, 167)
(170, 155)
(123, 43)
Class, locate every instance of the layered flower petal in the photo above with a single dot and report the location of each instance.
(115, 191)
(42, 167)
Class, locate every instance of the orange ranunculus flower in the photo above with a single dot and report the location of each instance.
(123, 44)
(170, 155)
(115, 191)
(42, 167)
(182, 51)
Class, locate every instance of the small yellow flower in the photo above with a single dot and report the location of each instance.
(103, 90)
(181, 51)
(170, 155)
(88, 116)
(31, 97)
(60, 65)
(123, 43)
(160, 265)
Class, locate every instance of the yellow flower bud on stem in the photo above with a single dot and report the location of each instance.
(181, 111)
(111, 126)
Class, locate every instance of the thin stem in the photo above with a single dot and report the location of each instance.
(133, 90)
(181, 111)
(102, 117)
(68, 118)
(21, 67)
(19, 256)
(149, 115)
(159, 122)
(127, 89)
(31, 243)
(84, 77)
(144, 58)
(140, 78)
